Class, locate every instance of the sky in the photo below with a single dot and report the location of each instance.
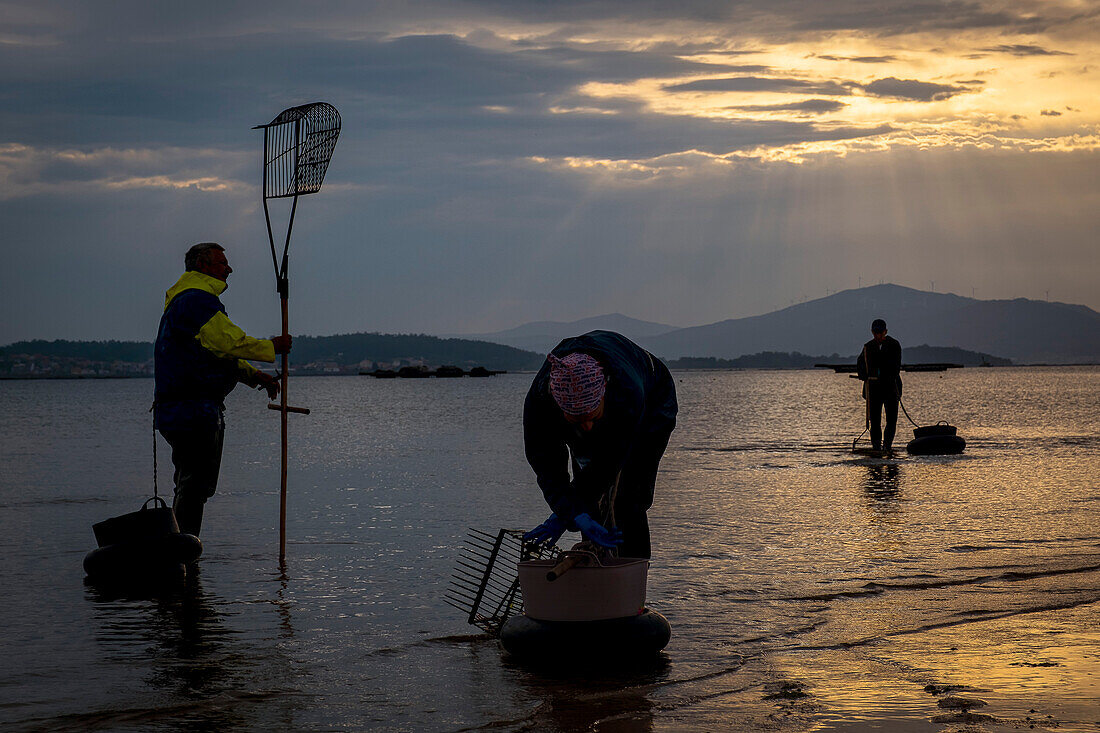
(505, 161)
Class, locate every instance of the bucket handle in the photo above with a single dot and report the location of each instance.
(571, 558)
(163, 503)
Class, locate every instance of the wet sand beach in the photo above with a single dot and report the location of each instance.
(808, 589)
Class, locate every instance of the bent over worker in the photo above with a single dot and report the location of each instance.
(879, 366)
(604, 407)
(199, 357)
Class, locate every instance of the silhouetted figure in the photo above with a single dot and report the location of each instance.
(879, 366)
(199, 358)
(607, 406)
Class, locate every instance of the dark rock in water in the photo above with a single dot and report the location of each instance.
(962, 703)
(480, 371)
(789, 691)
(449, 372)
(963, 717)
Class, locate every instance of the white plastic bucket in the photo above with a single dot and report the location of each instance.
(615, 589)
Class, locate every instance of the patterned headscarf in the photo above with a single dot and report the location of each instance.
(577, 383)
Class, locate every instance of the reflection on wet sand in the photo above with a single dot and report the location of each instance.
(177, 636)
(882, 482)
(600, 695)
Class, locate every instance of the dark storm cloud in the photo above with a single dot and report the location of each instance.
(912, 89)
(416, 98)
(1020, 49)
(779, 16)
(810, 106)
(410, 80)
(763, 84)
(1050, 113)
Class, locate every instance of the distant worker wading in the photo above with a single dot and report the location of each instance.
(879, 366)
(605, 407)
(199, 358)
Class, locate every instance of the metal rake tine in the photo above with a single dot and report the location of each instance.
(492, 591)
(464, 596)
(457, 604)
(495, 588)
(487, 581)
(480, 553)
(480, 547)
(485, 543)
(471, 588)
(463, 582)
(498, 586)
(480, 572)
(482, 533)
(488, 546)
(467, 570)
(462, 570)
(458, 580)
(459, 598)
(490, 559)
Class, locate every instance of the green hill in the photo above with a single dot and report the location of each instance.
(132, 351)
(353, 348)
(311, 354)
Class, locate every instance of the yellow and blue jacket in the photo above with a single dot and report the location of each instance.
(200, 355)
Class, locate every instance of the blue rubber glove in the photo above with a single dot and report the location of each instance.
(548, 532)
(593, 530)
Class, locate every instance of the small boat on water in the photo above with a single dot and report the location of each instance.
(446, 371)
(414, 372)
(449, 372)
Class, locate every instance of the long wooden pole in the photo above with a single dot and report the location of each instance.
(283, 423)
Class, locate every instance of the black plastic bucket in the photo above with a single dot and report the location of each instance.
(940, 428)
(143, 525)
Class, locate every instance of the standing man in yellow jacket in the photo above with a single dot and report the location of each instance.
(200, 355)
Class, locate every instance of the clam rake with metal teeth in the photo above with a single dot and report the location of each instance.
(485, 584)
(298, 145)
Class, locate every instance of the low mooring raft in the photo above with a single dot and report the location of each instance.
(142, 547)
(936, 440)
(578, 603)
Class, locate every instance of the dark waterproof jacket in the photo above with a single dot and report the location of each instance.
(640, 403)
(199, 355)
(879, 365)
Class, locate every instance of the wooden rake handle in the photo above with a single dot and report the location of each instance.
(288, 408)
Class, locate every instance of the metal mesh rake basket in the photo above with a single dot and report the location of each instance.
(485, 584)
(297, 147)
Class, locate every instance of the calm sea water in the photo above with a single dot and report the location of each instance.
(807, 588)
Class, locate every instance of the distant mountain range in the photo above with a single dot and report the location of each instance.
(931, 327)
(541, 336)
(1026, 331)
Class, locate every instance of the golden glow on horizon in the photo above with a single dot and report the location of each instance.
(972, 90)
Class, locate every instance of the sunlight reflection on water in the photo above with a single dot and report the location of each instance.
(780, 558)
